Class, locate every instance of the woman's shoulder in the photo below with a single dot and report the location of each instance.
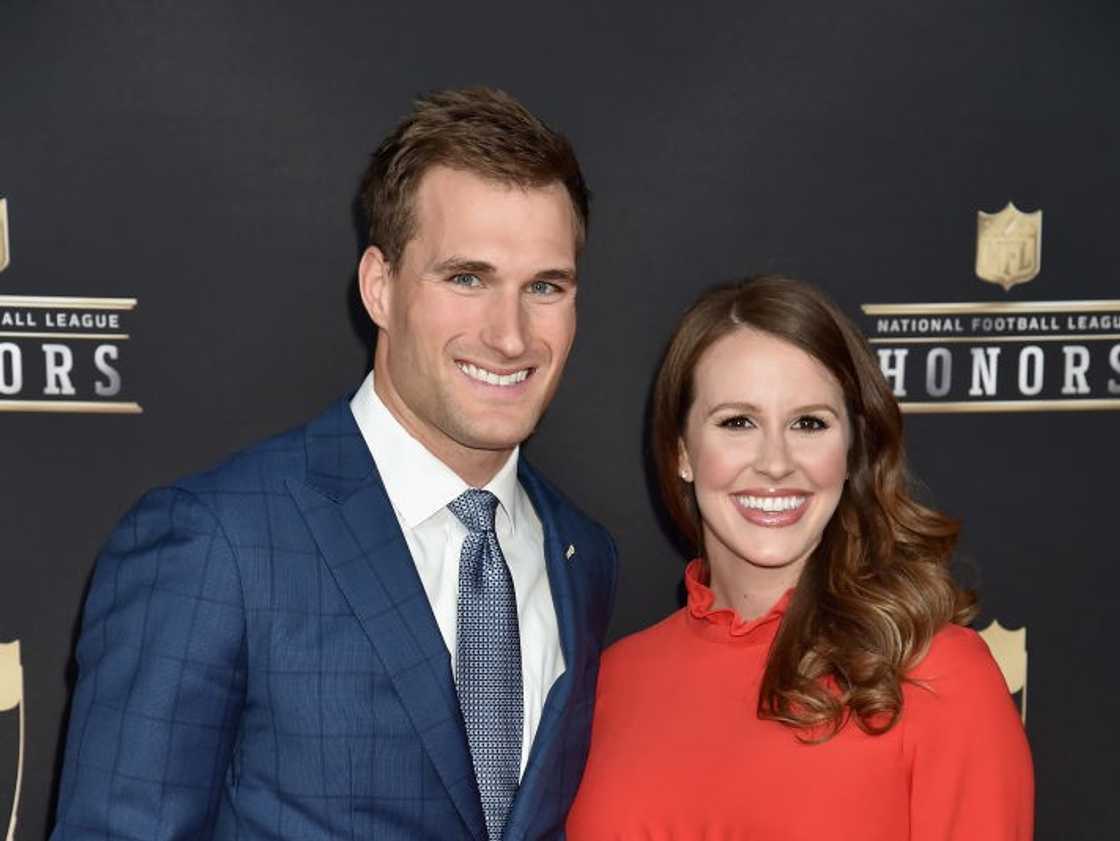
(965, 742)
(955, 653)
(649, 644)
(958, 678)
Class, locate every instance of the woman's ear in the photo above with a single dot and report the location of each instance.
(684, 464)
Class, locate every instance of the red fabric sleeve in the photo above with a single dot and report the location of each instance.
(971, 773)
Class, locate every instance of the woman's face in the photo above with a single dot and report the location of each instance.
(766, 447)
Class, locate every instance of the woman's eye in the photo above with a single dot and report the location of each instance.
(466, 279)
(736, 422)
(809, 423)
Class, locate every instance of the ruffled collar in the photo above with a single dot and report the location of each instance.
(725, 624)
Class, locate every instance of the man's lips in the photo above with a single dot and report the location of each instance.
(770, 507)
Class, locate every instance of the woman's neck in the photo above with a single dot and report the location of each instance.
(749, 589)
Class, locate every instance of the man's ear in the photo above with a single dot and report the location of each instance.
(374, 285)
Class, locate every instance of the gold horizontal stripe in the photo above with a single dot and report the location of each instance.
(930, 340)
(1010, 406)
(116, 337)
(67, 303)
(93, 407)
(990, 308)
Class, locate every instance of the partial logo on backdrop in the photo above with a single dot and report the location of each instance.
(61, 354)
(1008, 246)
(1002, 355)
(12, 705)
(1009, 648)
(4, 259)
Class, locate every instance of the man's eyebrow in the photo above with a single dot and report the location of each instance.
(462, 264)
(568, 275)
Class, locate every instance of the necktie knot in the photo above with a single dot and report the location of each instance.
(475, 510)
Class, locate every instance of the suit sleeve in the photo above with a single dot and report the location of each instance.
(971, 772)
(161, 679)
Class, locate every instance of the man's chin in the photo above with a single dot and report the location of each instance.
(493, 437)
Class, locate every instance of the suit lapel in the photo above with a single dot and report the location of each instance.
(548, 738)
(346, 507)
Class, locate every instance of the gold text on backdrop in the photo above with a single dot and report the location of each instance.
(1000, 356)
(1009, 648)
(61, 353)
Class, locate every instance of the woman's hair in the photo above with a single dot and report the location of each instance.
(878, 587)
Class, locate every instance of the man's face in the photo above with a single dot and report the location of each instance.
(477, 319)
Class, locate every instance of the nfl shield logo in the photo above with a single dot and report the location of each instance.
(11, 697)
(1009, 648)
(4, 252)
(1008, 246)
(11, 676)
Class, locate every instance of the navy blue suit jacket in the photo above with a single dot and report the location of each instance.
(258, 660)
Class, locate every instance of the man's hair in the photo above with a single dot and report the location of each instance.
(479, 130)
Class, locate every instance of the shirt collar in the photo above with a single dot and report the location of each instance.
(417, 483)
(723, 624)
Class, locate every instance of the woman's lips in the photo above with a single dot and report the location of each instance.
(785, 508)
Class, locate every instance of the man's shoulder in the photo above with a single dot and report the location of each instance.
(266, 466)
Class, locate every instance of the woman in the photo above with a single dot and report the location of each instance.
(820, 682)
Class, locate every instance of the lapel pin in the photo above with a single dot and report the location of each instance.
(571, 550)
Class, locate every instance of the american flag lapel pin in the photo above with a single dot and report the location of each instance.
(569, 552)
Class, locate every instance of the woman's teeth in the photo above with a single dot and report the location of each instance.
(771, 503)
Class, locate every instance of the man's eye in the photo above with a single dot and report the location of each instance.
(543, 287)
(736, 422)
(466, 279)
(809, 423)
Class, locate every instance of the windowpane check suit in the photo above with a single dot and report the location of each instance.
(258, 660)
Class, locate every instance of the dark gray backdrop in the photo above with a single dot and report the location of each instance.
(203, 156)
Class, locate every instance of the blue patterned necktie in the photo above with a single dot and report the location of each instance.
(488, 670)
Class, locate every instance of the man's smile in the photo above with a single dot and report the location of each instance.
(491, 377)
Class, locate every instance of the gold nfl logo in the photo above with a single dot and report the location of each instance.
(5, 253)
(1009, 648)
(1008, 246)
(11, 697)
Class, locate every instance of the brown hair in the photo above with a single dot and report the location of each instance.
(481, 130)
(878, 587)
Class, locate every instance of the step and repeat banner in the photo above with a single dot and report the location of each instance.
(178, 237)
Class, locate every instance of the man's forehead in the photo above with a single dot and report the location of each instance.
(463, 216)
(440, 184)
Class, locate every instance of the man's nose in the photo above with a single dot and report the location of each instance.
(506, 328)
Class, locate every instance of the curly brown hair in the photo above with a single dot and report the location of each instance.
(878, 586)
(481, 130)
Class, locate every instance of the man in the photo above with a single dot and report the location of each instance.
(383, 625)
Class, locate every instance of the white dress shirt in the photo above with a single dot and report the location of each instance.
(420, 486)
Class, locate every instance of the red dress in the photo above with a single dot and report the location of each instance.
(678, 752)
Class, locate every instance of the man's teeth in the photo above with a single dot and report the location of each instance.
(484, 376)
(771, 503)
